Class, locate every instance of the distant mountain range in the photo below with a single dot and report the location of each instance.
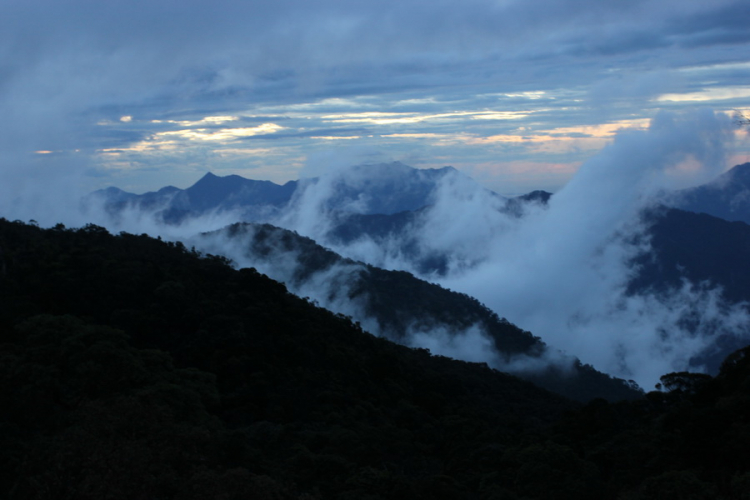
(384, 189)
(381, 189)
(252, 199)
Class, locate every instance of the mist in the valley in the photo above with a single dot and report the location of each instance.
(559, 270)
(341, 286)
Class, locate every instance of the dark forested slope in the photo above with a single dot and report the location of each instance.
(133, 368)
(696, 247)
(401, 305)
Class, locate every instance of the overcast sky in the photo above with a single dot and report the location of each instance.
(142, 94)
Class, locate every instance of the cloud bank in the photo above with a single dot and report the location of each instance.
(561, 271)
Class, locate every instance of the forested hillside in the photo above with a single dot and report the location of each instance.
(399, 306)
(135, 368)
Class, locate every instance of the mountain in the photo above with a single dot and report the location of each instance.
(440, 224)
(727, 197)
(251, 199)
(385, 188)
(704, 250)
(396, 232)
(212, 192)
(407, 310)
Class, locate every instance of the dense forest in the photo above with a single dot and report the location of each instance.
(138, 368)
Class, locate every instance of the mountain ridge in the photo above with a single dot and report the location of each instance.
(401, 307)
(142, 369)
(726, 197)
(370, 188)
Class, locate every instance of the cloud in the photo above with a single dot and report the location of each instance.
(561, 271)
(67, 68)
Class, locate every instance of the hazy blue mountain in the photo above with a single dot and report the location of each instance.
(213, 192)
(383, 229)
(727, 197)
(251, 199)
(385, 188)
(396, 223)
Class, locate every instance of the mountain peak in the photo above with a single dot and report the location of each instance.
(209, 177)
(739, 172)
(726, 197)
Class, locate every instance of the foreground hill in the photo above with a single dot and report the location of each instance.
(133, 368)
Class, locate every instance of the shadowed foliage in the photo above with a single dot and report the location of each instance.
(401, 304)
(135, 368)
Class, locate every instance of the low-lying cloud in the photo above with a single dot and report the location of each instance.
(342, 286)
(561, 271)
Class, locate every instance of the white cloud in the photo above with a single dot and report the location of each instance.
(561, 272)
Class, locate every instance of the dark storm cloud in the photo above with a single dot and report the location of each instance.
(729, 19)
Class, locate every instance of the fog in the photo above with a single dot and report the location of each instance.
(560, 270)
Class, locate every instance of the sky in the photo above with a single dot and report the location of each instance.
(516, 94)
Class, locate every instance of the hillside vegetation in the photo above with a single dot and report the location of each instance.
(396, 305)
(136, 368)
